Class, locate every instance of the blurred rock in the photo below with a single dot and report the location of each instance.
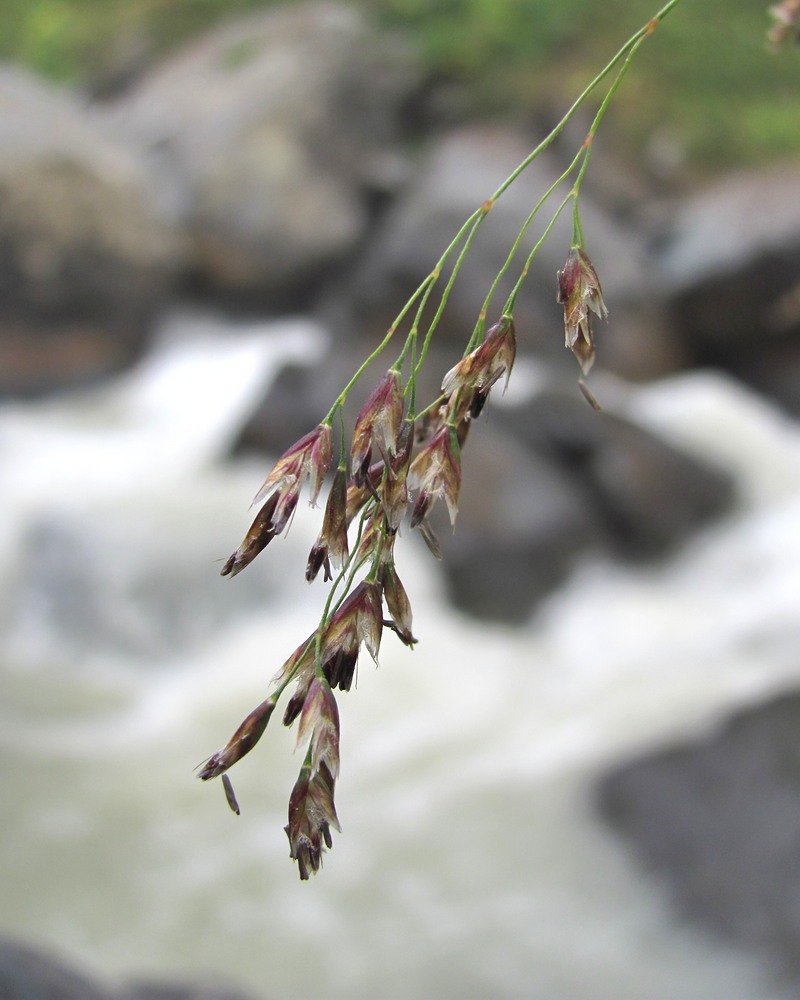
(520, 527)
(269, 137)
(552, 478)
(161, 991)
(729, 261)
(647, 495)
(85, 258)
(718, 818)
(295, 402)
(28, 973)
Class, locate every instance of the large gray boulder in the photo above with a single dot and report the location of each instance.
(85, 257)
(268, 138)
(729, 262)
(32, 973)
(549, 479)
(717, 818)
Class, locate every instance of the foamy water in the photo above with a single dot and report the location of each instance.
(469, 865)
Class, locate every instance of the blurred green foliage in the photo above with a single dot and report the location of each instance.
(705, 81)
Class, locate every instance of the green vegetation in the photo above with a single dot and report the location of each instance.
(706, 79)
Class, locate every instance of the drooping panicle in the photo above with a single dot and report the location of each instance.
(241, 743)
(377, 425)
(579, 292)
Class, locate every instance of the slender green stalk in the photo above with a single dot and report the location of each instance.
(476, 337)
(511, 301)
(481, 215)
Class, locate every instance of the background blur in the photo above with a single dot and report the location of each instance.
(583, 781)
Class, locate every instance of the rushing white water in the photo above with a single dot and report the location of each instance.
(470, 865)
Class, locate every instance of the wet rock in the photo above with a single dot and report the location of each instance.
(162, 991)
(41, 359)
(741, 224)
(268, 137)
(29, 973)
(85, 257)
(520, 526)
(550, 479)
(729, 262)
(647, 495)
(296, 401)
(718, 819)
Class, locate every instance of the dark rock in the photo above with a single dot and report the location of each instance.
(728, 262)
(647, 495)
(520, 526)
(718, 819)
(296, 401)
(161, 991)
(301, 395)
(552, 478)
(268, 137)
(28, 973)
(39, 360)
(775, 372)
(84, 254)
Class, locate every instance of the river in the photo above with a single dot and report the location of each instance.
(470, 864)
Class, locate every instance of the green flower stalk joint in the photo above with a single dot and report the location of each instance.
(401, 459)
